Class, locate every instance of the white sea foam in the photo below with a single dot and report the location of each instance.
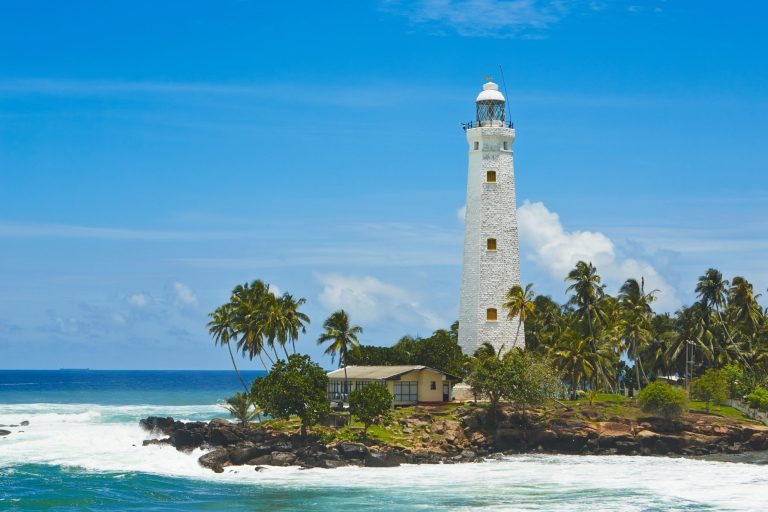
(82, 436)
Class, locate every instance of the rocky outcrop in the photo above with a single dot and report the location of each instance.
(467, 434)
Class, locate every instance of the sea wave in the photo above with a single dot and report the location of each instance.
(97, 439)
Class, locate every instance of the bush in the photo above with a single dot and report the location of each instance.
(758, 399)
(241, 407)
(297, 387)
(659, 398)
(711, 387)
(370, 404)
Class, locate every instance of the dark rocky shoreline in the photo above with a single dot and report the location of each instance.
(462, 437)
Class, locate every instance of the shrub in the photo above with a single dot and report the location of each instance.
(659, 398)
(758, 399)
(295, 387)
(711, 387)
(370, 404)
(241, 407)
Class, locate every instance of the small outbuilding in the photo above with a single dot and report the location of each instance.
(409, 384)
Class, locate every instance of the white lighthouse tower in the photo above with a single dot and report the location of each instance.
(491, 248)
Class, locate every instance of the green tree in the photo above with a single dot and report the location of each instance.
(518, 376)
(711, 387)
(588, 297)
(440, 351)
(520, 303)
(296, 387)
(659, 398)
(635, 319)
(241, 407)
(343, 339)
(371, 404)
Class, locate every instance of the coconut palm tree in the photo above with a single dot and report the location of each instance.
(588, 294)
(295, 320)
(743, 302)
(221, 327)
(521, 305)
(248, 303)
(343, 338)
(635, 318)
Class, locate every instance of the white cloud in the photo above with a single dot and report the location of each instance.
(369, 300)
(558, 251)
(139, 300)
(490, 18)
(184, 294)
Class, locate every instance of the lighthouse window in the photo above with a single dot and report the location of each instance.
(477, 145)
(490, 177)
(506, 146)
(491, 244)
(491, 315)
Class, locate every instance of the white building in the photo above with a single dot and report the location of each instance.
(408, 384)
(491, 248)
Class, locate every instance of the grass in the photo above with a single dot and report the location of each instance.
(719, 410)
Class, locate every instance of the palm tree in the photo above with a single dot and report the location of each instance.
(221, 327)
(743, 301)
(588, 294)
(295, 320)
(248, 303)
(241, 407)
(343, 338)
(521, 305)
(635, 318)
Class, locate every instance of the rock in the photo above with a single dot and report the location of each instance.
(758, 441)
(215, 460)
(185, 439)
(155, 423)
(24, 423)
(352, 450)
(223, 436)
(242, 455)
(509, 439)
(283, 458)
(331, 463)
(384, 459)
(4, 432)
(592, 414)
(219, 422)
(262, 460)
(542, 437)
(148, 442)
(611, 433)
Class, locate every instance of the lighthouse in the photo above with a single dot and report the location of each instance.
(491, 263)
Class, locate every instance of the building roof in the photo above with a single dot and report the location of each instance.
(378, 372)
(490, 92)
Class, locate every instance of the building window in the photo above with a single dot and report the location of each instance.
(506, 146)
(406, 391)
(433, 385)
(490, 177)
(490, 244)
(491, 315)
(477, 145)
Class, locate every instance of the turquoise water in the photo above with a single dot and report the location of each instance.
(82, 451)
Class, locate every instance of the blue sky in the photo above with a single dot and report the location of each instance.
(155, 154)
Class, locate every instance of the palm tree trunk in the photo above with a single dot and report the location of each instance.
(637, 363)
(240, 378)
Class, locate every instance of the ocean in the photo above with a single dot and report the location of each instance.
(82, 450)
